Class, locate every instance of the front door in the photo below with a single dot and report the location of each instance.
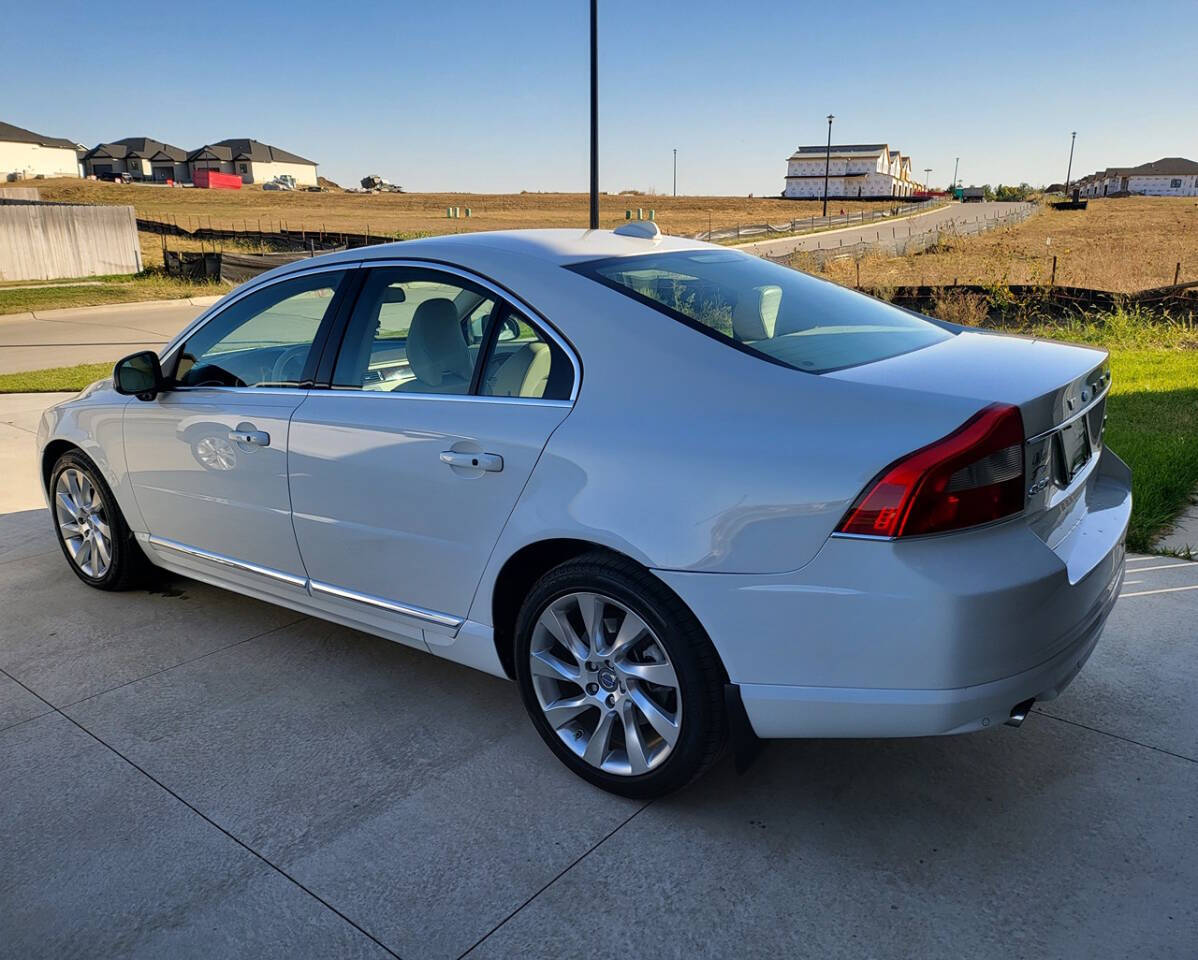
(208, 458)
(404, 473)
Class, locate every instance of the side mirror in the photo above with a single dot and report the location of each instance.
(138, 375)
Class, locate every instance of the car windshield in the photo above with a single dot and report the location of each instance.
(775, 312)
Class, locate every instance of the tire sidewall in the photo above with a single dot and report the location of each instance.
(688, 754)
(115, 574)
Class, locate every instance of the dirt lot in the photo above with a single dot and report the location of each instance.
(1123, 244)
(415, 213)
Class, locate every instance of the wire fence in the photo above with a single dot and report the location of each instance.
(910, 237)
(811, 224)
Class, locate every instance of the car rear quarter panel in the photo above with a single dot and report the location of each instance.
(687, 454)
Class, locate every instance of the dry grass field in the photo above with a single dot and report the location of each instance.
(1124, 244)
(424, 213)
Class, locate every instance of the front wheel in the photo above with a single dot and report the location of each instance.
(91, 529)
(619, 678)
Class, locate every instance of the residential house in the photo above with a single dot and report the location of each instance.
(857, 171)
(140, 157)
(1167, 177)
(254, 162)
(25, 154)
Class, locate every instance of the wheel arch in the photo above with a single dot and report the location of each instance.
(50, 454)
(524, 568)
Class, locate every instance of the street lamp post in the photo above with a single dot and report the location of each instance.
(927, 182)
(1069, 172)
(827, 163)
(675, 171)
(956, 164)
(594, 114)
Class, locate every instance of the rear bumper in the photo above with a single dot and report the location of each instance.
(780, 711)
(933, 636)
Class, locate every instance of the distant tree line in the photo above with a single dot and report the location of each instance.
(1004, 192)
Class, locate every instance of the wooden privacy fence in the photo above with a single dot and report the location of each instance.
(47, 241)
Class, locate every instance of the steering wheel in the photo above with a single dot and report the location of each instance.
(286, 358)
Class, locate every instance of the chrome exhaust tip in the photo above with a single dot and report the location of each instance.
(1019, 712)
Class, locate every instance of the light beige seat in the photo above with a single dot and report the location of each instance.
(437, 352)
(523, 374)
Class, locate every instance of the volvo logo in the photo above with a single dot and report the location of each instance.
(607, 680)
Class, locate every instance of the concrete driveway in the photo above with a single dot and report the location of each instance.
(184, 772)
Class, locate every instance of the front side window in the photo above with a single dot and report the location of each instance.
(773, 312)
(262, 340)
(421, 331)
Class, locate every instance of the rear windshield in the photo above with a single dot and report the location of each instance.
(778, 313)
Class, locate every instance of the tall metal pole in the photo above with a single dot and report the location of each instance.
(927, 186)
(827, 163)
(594, 114)
(956, 164)
(1069, 172)
(675, 171)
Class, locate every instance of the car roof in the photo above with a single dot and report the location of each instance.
(557, 246)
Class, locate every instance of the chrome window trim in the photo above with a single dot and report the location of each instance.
(455, 397)
(235, 296)
(506, 296)
(257, 391)
(407, 610)
(291, 580)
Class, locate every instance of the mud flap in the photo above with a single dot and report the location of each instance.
(746, 745)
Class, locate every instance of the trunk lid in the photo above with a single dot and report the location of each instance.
(1060, 390)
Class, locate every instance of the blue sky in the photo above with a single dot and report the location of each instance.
(492, 96)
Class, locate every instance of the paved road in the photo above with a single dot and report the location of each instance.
(872, 232)
(190, 773)
(58, 338)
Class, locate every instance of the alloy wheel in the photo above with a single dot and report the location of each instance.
(83, 523)
(605, 683)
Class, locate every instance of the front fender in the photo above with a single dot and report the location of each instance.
(94, 423)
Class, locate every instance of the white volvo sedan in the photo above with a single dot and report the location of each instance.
(681, 495)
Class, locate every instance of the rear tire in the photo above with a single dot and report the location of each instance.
(619, 677)
(98, 544)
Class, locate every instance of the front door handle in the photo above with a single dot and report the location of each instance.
(491, 462)
(259, 438)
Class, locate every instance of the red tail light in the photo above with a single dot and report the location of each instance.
(972, 476)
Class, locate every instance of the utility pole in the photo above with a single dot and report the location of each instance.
(1069, 172)
(675, 171)
(956, 163)
(594, 114)
(827, 163)
(927, 183)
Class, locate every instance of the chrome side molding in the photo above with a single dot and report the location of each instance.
(407, 610)
(311, 587)
(300, 583)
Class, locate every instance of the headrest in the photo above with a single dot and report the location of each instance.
(435, 344)
(756, 313)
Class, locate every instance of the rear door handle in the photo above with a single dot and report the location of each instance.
(491, 462)
(259, 438)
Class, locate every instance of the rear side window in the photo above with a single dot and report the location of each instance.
(776, 313)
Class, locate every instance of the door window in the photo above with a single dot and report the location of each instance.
(524, 362)
(262, 340)
(422, 331)
(414, 331)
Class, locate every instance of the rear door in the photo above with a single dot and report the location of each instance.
(443, 395)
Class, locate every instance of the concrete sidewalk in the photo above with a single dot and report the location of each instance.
(59, 338)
